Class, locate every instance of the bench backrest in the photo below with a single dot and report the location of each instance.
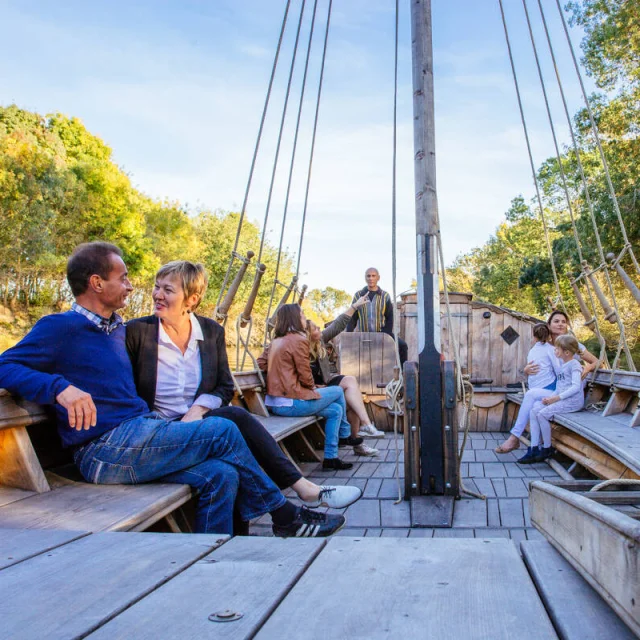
(369, 357)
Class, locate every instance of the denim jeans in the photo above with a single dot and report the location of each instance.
(331, 406)
(210, 455)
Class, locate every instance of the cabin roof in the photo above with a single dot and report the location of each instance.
(477, 304)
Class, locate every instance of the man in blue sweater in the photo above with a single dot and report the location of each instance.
(78, 362)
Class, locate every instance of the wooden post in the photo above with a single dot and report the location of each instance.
(628, 282)
(245, 316)
(609, 313)
(430, 387)
(303, 293)
(272, 322)
(589, 320)
(222, 311)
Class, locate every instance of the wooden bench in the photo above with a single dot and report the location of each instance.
(370, 358)
(31, 498)
(602, 438)
(575, 608)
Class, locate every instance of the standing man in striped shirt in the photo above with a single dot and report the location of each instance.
(377, 316)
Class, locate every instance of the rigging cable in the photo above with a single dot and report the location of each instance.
(255, 153)
(532, 164)
(282, 121)
(594, 128)
(291, 167)
(394, 387)
(603, 263)
(277, 151)
(313, 136)
(550, 118)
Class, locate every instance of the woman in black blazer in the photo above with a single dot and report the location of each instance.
(181, 370)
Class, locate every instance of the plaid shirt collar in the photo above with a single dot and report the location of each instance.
(104, 324)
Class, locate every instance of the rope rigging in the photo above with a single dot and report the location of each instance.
(313, 135)
(612, 194)
(588, 275)
(255, 152)
(291, 167)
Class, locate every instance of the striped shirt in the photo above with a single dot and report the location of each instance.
(105, 324)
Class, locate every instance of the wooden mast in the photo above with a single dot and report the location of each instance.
(429, 347)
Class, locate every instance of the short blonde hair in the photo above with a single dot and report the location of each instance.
(192, 276)
(568, 343)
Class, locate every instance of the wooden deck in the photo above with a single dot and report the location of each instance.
(156, 586)
(504, 514)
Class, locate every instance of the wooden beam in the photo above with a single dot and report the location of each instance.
(19, 464)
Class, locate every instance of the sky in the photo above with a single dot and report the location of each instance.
(176, 89)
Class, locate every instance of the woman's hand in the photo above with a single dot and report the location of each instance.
(195, 413)
(550, 400)
(360, 302)
(531, 368)
(587, 368)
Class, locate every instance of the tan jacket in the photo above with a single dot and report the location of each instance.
(286, 362)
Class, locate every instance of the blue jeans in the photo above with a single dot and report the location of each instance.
(210, 455)
(331, 406)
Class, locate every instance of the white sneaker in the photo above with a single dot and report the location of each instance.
(335, 497)
(364, 450)
(370, 431)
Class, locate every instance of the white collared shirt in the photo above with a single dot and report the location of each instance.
(179, 375)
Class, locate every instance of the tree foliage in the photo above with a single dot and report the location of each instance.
(59, 187)
(513, 267)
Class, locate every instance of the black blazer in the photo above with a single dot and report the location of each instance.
(142, 345)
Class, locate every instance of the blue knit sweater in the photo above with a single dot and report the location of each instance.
(67, 348)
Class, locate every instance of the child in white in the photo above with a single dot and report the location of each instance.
(541, 384)
(569, 396)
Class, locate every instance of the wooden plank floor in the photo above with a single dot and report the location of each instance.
(413, 589)
(504, 514)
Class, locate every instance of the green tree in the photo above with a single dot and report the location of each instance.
(323, 305)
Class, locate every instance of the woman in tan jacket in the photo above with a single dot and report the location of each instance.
(291, 390)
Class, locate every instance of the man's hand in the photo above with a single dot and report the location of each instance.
(360, 302)
(550, 400)
(196, 412)
(79, 405)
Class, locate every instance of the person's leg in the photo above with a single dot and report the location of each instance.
(403, 351)
(534, 423)
(544, 416)
(354, 421)
(533, 451)
(530, 397)
(353, 398)
(146, 449)
(264, 448)
(217, 485)
(330, 406)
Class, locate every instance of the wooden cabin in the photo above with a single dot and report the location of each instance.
(493, 341)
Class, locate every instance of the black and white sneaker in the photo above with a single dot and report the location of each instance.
(351, 441)
(310, 524)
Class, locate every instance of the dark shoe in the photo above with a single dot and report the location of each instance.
(310, 524)
(532, 455)
(335, 464)
(350, 442)
(544, 453)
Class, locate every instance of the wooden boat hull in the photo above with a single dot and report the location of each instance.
(600, 543)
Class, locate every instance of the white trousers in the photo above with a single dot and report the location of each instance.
(541, 415)
(530, 398)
